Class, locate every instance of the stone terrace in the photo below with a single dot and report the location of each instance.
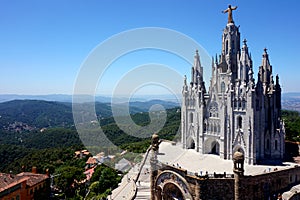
(173, 154)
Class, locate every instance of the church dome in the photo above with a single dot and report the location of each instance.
(238, 156)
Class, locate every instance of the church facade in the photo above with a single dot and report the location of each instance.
(235, 113)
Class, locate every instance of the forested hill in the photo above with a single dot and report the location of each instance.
(29, 114)
(34, 113)
(48, 149)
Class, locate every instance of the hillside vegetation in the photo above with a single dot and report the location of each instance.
(292, 125)
(22, 115)
(44, 149)
(17, 146)
(42, 134)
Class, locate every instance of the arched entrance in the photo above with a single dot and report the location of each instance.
(171, 192)
(212, 146)
(170, 185)
(191, 143)
(215, 148)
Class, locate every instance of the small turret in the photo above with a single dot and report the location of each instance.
(185, 86)
(238, 170)
(155, 142)
(238, 161)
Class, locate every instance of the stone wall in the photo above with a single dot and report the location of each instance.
(204, 187)
(218, 189)
(264, 186)
(269, 184)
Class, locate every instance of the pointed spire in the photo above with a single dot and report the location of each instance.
(265, 61)
(245, 42)
(266, 67)
(197, 69)
(277, 79)
(245, 47)
(245, 64)
(265, 57)
(197, 63)
(277, 85)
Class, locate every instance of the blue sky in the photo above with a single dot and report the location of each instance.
(44, 43)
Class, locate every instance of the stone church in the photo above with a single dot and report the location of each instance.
(235, 113)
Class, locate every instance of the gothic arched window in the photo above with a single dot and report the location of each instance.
(226, 47)
(276, 145)
(222, 87)
(239, 122)
(213, 110)
(235, 103)
(191, 118)
(244, 104)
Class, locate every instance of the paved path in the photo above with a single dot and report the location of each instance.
(143, 183)
(127, 188)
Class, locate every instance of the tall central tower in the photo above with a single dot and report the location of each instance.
(235, 114)
(230, 49)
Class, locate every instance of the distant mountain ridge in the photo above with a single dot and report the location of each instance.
(291, 101)
(22, 115)
(68, 98)
(119, 99)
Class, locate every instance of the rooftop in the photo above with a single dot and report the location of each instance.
(33, 178)
(91, 160)
(10, 180)
(193, 161)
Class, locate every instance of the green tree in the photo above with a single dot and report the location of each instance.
(108, 179)
(104, 179)
(292, 125)
(68, 179)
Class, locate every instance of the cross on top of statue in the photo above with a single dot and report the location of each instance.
(229, 11)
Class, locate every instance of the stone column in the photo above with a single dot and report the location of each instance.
(237, 195)
(238, 170)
